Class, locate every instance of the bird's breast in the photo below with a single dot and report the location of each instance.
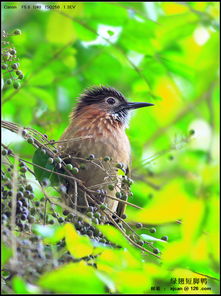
(106, 139)
(107, 136)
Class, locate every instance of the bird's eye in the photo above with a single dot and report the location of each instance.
(111, 101)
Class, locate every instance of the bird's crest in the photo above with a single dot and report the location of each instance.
(96, 94)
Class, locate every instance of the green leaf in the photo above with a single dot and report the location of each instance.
(83, 33)
(55, 29)
(19, 286)
(44, 96)
(44, 77)
(78, 245)
(75, 278)
(5, 254)
(115, 236)
(41, 159)
(106, 13)
(135, 41)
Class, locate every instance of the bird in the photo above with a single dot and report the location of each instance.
(97, 132)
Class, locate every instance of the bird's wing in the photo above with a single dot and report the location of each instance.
(122, 206)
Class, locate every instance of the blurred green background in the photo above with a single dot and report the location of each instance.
(166, 53)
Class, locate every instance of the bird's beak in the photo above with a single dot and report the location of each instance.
(136, 105)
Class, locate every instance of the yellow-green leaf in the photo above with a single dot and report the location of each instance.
(75, 278)
(78, 245)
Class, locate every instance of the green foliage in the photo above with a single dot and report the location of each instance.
(5, 254)
(64, 280)
(160, 52)
(42, 159)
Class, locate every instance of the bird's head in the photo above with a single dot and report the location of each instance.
(108, 100)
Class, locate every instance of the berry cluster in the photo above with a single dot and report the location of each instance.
(31, 209)
(9, 62)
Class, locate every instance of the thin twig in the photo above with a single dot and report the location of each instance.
(13, 211)
(37, 71)
(195, 104)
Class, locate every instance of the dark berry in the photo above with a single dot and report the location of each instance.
(69, 166)
(140, 242)
(9, 81)
(139, 225)
(27, 193)
(30, 140)
(17, 32)
(106, 158)
(18, 72)
(4, 152)
(119, 165)
(102, 206)
(14, 66)
(45, 182)
(153, 230)
(58, 160)
(75, 170)
(192, 132)
(156, 251)
(20, 194)
(97, 215)
(21, 76)
(111, 187)
(165, 238)
(50, 160)
(62, 189)
(23, 217)
(118, 195)
(24, 133)
(4, 66)
(65, 212)
(60, 219)
(12, 51)
(90, 214)
(29, 187)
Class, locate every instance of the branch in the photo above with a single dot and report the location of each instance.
(181, 114)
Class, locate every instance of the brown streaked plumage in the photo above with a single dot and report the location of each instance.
(101, 113)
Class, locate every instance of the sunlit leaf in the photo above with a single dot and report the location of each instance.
(76, 278)
(175, 253)
(191, 227)
(169, 204)
(77, 245)
(55, 31)
(132, 281)
(19, 286)
(116, 237)
(201, 281)
(41, 159)
(6, 253)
